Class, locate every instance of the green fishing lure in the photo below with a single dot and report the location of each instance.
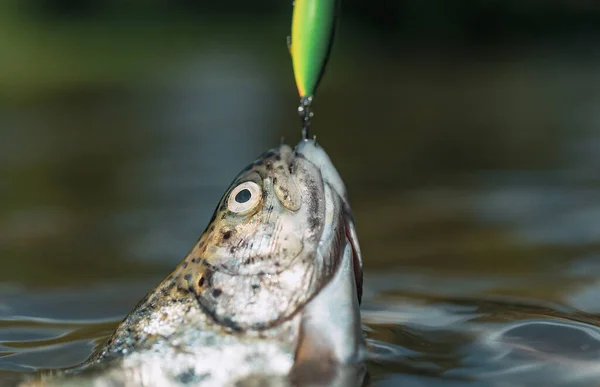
(313, 25)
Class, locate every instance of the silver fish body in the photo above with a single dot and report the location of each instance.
(268, 296)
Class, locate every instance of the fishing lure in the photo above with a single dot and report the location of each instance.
(313, 25)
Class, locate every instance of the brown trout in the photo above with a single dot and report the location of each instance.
(268, 296)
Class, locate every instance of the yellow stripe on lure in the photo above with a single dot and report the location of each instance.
(313, 25)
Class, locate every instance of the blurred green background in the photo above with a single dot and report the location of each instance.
(466, 132)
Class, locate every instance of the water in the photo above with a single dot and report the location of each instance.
(473, 181)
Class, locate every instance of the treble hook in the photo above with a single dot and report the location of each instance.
(306, 114)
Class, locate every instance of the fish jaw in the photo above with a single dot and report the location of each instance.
(330, 327)
(314, 153)
(311, 151)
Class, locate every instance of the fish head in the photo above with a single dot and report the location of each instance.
(276, 240)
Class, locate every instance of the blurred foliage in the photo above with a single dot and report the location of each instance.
(62, 42)
(466, 20)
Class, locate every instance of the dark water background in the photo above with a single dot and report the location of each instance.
(469, 143)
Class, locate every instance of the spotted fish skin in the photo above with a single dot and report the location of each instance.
(245, 306)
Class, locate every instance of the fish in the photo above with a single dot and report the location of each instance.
(268, 296)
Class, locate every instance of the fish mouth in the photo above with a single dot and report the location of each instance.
(312, 152)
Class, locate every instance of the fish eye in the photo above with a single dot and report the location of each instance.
(244, 197)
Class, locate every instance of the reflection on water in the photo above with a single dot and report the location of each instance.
(484, 341)
(473, 184)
